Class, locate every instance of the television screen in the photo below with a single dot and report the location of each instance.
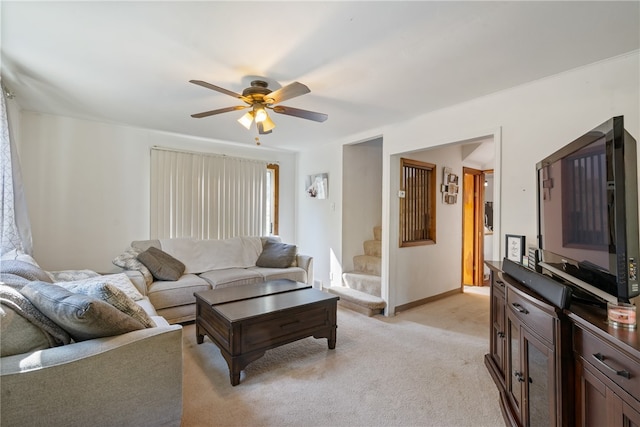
(587, 212)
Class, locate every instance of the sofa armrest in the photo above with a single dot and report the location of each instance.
(129, 379)
(138, 280)
(306, 262)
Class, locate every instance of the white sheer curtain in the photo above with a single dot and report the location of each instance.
(16, 229)
(206, 196)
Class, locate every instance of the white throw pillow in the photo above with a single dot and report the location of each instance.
(119, 280)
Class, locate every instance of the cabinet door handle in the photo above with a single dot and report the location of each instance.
(601, 359)
(500, 283)
(519, 308)
(519, 376)
(501, 334)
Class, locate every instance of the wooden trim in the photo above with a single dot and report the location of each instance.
(276, 195)
(423, 301)
(472, 226)
(418, 207)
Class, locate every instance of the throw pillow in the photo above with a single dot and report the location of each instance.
(119, 280)
(128, 261)
(277, 255)
(105, 291)
(162, 265)
(83, 317)
(18, 335)
(70, 275)
(23, 326)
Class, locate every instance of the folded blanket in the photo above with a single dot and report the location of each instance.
(203, 255)
(24, 269)
(13, 299)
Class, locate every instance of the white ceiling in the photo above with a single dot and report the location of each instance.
(368, 64)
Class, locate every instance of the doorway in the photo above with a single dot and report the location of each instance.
(473, 226)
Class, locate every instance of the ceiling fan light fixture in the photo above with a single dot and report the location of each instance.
(260, 113)
(247, 119)
(267, 124)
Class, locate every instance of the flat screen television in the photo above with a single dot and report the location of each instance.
(588, 214)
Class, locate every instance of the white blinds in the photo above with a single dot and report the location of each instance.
(206, 196)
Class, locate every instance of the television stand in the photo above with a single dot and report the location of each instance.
(559, 367)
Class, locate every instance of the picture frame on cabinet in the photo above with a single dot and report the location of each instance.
(514, 247)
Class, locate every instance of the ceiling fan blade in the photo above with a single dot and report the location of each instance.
(261, 130)
(218, 111)
(287, 92)
(219, 89)
(303, 114)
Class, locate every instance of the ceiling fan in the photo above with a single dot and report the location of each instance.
(259, 98)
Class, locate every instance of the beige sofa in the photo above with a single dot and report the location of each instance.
(134, 378)
(212, 264)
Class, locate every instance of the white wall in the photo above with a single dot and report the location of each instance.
(319, 221)
(87, 186)
(418, 268)
(362, 198)
(528, 123)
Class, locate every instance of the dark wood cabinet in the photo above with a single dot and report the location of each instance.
(607, 371)
(498, 333)
(558, 367)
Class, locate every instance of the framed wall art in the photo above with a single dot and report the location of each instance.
(317, 186)
(449, 187)
(515, 247)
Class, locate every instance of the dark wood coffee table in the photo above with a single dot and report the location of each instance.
(245, 321)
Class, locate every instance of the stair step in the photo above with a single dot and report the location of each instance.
(367, 264)
(377, 233)
(373, 248)
(368, 283)
(358, 301)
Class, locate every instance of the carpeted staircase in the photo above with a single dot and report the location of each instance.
(360, 290)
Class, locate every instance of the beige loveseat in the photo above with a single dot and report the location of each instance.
(212, 264)
(132, 378)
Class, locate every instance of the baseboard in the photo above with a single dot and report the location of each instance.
(423, 301)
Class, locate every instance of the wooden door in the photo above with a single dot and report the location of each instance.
(472, 227)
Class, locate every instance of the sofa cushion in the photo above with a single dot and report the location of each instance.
(277, 255)
(296, 274)
(105, 291)
(162, 265)
(143, 245)
(146, 305)
(232, 277)
(83, 317)
(165, 294)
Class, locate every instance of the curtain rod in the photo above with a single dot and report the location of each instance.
(201, 153)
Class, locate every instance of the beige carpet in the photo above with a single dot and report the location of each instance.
(423, 367)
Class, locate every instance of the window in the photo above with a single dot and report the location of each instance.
(210, 196)
(417, 207)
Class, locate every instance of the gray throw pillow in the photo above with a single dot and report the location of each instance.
(108, 292)
(162, 265)
(83, 317)
(277, 255)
